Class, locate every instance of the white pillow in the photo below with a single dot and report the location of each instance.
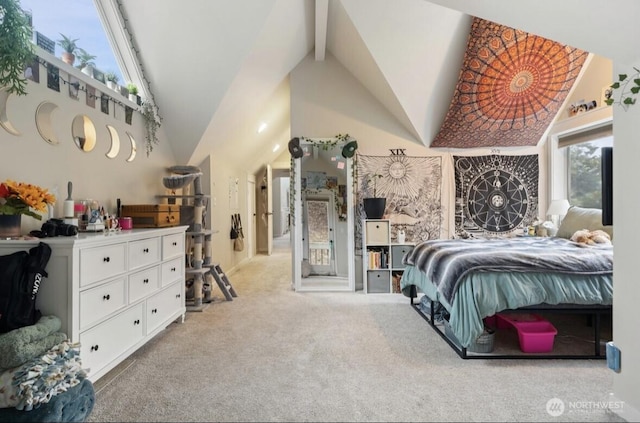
(578, 218)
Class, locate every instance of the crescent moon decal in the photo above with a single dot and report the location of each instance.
(43, 122)
(4, 119)
(115, 142)
(133, 148)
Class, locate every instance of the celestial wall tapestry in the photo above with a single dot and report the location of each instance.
(510, 88)
(412, 187)
(495, 194)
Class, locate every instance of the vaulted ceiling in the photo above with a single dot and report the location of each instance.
(218, 68)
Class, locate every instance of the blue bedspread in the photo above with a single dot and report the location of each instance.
(485, 290)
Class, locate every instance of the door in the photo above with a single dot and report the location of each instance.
(250, 233)
(265, 212)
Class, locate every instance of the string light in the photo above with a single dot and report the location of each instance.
(79, 86)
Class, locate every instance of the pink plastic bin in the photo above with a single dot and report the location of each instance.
(536, 335)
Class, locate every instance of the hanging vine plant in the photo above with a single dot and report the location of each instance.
(324, 145)
(16, 48)
(629, 87)
(152, 122)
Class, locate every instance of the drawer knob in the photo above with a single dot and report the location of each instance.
(177, 295)
(94, 347)
(106, 297)
(146, 250)
(173, 269)
(136, 322)
(145, 281)
(106, 259)
(153, 311)
(174, 243)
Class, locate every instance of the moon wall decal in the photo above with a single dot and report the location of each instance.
(43, 122)
(4, 119)
(133, 148)
(84, 133)
(115, 142)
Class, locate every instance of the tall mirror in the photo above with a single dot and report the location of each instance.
(323, 261)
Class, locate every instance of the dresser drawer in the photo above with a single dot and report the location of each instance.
(171, 271)
(144, 252)
(164, 304)
(99, 302)
(101, 263)
(377, 232)
(172, 245)
(103, 343)
(143, 283)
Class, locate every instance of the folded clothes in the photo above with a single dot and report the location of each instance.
(15, 345)
(74, 405)
(42, 378)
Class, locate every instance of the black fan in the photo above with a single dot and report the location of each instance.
(349, 149)
(294, 148)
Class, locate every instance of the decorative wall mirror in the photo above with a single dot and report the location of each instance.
(43, 121)
(323, 255)
(84, 133)
(133, 148)
(115, 142)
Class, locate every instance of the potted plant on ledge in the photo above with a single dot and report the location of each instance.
(133, 92)
(374, 206)
(86, 64)
(112, 81)
(69, 48)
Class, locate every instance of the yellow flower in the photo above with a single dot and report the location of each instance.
(20, 198)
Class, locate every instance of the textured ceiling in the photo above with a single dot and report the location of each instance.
(511, 86)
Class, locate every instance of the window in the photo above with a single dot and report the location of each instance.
(582, 153)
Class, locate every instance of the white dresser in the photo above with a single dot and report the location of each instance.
(112, 292)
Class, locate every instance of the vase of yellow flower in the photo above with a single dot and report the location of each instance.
(17, 199)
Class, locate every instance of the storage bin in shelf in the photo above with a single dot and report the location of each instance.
(535, 334)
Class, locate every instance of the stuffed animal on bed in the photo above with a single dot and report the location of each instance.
(587, 237)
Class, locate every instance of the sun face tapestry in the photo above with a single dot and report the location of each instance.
(495, 194)
(411, 186)
(510, 88)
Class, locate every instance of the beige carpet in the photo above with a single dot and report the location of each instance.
(276, 355)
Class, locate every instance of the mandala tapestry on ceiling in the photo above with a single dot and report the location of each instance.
(495, 194)
(510, 88)
(412, 187)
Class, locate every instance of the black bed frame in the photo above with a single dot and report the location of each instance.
(595, 313)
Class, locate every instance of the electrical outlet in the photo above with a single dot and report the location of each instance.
(613, 357)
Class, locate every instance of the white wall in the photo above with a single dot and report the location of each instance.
(29, 158)
(280, 206)
(626, 205)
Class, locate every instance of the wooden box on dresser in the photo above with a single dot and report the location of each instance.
(113, 292)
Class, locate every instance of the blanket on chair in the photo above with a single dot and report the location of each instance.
(42, 378)
(446, 262)
(74, 405)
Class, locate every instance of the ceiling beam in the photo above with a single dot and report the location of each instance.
(322, 14)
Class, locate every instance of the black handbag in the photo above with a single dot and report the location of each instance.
(234, 229)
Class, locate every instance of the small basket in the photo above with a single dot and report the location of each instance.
(482, 344)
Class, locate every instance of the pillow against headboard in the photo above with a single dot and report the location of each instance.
(578, 218)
